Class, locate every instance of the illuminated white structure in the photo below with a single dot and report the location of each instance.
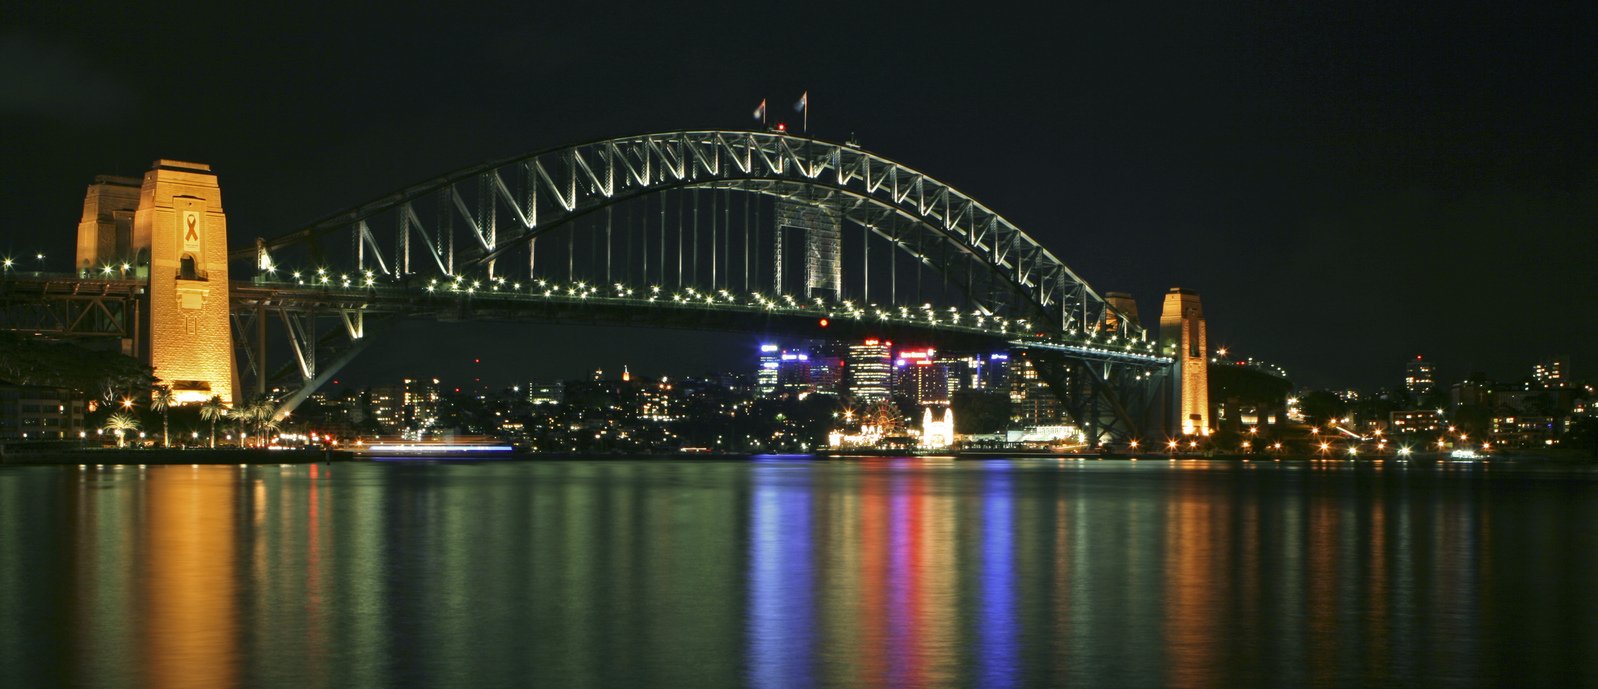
(937, 434)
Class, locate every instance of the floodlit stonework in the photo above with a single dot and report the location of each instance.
(105, 232)
(180, 218)
(1182, 334)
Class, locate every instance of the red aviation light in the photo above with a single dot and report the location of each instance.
(823, 322)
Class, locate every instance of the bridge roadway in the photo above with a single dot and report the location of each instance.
(67, 305)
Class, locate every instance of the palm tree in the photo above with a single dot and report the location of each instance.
(163, 400)
(120, 423)
(213, 411)
(253, 417)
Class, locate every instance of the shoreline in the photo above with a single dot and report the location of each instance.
(127, 457)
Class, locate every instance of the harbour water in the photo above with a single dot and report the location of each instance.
(788, 572)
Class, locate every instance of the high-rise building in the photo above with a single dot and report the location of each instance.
(996, 373)
(978, 372)
(826, 374)
(1552, 373)
(384, 402)
(921, 377)
(868, 369)
(1032, 403)
(1420, 376)
(766, 375)
(419, 402)
(793, 371)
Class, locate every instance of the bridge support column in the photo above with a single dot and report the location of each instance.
(1183, 336)
(191, 340)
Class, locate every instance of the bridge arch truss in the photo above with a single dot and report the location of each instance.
(480, 219)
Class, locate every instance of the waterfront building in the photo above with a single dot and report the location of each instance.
(1415, 421)
(1420, 376)
(868, 368)
(34, 412)
(1524, 431)
(1032, 403)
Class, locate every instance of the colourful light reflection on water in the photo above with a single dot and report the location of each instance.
(795, 573)
(997, 652)
(781, 602)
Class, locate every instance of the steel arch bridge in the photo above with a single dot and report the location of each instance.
(717, 229)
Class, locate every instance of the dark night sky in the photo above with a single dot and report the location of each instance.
(1347, 185)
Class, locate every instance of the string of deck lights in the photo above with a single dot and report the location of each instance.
(1090, 340)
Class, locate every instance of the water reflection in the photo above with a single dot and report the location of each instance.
(188, 616)
(898, 573)
(781, 596)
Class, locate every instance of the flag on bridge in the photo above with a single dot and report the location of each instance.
(760, 112)
(803, 104)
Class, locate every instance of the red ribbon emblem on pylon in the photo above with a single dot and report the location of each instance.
(192, 234)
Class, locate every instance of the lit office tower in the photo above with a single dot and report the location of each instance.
(826, 374)
(1552, 373)
(996, 373)
(978, 372)
(869, 365)
(921, 377)
(793, 371)
(766, 375)
(1420, 376)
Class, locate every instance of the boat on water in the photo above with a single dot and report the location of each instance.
(459, 447)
